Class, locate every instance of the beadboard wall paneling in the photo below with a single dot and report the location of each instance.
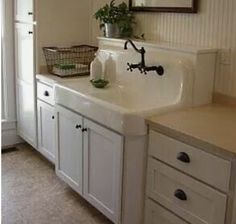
(214, 25)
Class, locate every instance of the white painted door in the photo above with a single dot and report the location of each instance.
(25, 83)
(24, 10)
(103, 153)
(69, 151)
(46, 130)
(24, 51)
(26, 121)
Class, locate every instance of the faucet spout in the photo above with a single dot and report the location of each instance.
(141, 51)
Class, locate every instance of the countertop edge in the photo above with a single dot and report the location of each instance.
(188, 139)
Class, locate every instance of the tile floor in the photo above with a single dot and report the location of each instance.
(33, 194)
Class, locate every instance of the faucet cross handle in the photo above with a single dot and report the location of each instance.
(129, 67)
(142, 70)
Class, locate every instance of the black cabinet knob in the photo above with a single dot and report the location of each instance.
(84, 129)
(180, 194)
(53, 117)
(78, 126)
(30, 32)
(160, 70)
(46, 93)
(183, 157)
(30, 13)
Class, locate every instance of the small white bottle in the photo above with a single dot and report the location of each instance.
(110, 69)
(96, 69)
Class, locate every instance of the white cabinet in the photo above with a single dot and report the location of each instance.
(103, 150)
(89, 158)
(156, 214)
(69, 153)
(46, 130)
(171, 151)
(185, 196)
(26, 122)
(187, 181)
(24, 10)
(24, 51)
(25, 83)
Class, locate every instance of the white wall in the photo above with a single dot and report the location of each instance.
(62, 23)
(214, 25)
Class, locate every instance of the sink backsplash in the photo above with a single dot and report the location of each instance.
(182, 64)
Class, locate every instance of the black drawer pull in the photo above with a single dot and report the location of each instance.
(30, 32)
(30, 13)
(84, 129)
(183, 157)
(180, 194)
(78, 126)
(46, 93)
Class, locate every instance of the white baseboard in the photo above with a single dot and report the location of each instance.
(9, 134)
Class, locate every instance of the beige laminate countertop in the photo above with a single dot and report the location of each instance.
(212, 127)
(52, 79)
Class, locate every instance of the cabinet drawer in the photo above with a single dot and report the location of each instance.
(45, 93)
(156, 214)
(204, 166)
(192, 200)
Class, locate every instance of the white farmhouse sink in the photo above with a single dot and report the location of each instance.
(125, 103)
(120, 107)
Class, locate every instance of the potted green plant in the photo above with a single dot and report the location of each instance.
(116, 20)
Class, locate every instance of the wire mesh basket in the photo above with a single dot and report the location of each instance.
(72, 61)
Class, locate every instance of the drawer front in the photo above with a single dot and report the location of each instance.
(190, 199)
(156, 214)
(45, 93)
(204, 166)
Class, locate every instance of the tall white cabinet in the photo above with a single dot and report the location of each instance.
(34, 23)
(25, 69)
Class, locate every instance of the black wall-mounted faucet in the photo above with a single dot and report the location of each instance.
(142, 66)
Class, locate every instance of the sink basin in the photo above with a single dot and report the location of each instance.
(123, 105)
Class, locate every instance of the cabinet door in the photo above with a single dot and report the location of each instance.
(24, 52)
(26, 117)
(46, 130)
(24, 10)
(103, 152)
(156, 214)
(69, 148)
(25, 87)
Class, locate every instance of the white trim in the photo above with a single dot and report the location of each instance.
(10, 138)
(8, 125)
(2, 5)
(9, 134)
(8, 61)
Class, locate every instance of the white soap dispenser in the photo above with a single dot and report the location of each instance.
(96, 69)
(110, 69)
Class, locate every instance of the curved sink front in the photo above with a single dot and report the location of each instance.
(123, 106)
